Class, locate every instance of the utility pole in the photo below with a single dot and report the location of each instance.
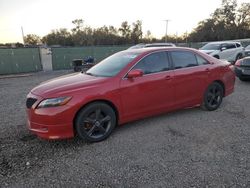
(186, 36)
(166, 35)
(176, 35)
(23, 36)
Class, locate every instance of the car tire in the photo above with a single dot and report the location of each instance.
(242, 79)
(239, 56)
(213, 97)
(95, 122)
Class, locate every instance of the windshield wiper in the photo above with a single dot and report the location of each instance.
(88, 73)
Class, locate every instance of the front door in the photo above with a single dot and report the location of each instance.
(151, 92)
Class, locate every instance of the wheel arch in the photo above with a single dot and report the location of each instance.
(240, 54)
(222, 84)
(111, 104)
(216, 56)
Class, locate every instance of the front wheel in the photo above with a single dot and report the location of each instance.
(213, 97)
(95, 122)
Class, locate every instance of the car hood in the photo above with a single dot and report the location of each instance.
(66, 84)
(208, 51)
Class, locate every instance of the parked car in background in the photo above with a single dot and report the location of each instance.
(247, 50)
(83, 64)
(230, 51)
(142, 45)
(129, 85)
(242, 69)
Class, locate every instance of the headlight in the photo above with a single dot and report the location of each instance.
(60, 101)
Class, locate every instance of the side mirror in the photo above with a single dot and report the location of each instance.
(135, 73)
(223, 48)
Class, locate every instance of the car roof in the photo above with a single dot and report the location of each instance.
(147, 45)
(155, 49)
(223, 42)
(159, 44)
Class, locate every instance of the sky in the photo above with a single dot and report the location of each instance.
(41, 16)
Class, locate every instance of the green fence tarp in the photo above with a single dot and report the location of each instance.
(20, 60)
(62, 57)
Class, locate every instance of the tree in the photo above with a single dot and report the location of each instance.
(58, 37)
(226, 23)
(136, 34)
(78, 25)
(125, 30)
(32, 39)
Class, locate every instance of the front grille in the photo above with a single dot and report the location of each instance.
(30, 102)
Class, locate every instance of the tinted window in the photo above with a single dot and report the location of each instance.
(238, 45)
(152, 63)
(183, 59)
(113, 64)
(211, 46)
(230, 46)
(201, 60)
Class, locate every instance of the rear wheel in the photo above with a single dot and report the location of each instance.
(95, 122)
(213, 97)
(239, 56)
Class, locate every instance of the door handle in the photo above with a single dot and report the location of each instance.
(168, 77)
(207, 70)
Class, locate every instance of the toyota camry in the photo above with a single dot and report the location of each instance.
(127, 86)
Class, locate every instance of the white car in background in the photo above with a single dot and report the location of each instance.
(247, 50)
(230, 51)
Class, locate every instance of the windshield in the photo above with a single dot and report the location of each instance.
(113, 64)
(211, 47)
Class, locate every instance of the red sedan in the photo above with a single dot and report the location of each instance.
(127, 86)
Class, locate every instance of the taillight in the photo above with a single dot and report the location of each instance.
(238, 63)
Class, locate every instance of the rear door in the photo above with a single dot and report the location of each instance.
(151, 92)
(230, 52)
(191, 73)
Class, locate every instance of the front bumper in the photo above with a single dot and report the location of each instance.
(51, 132)
(50, 123)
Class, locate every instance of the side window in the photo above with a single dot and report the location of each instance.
(238, 45)
(231, 46)
(224, 46)
(182, 59)
(153, 63)
(201, 60)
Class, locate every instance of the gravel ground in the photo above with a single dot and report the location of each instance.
(187, 148)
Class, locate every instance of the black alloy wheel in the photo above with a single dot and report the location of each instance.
(213, 97)
(95, 122)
